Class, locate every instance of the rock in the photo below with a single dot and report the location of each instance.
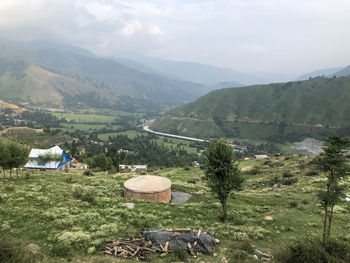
(268, 218)
(33, 248)
(261, 255)
(255, 257)
(129, 205)
(179, 197)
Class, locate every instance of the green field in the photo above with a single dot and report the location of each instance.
(170, 142)
(130, 133)
(88, 127)
(70, 216)
(85, 118)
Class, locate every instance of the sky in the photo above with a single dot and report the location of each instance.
(284, 36)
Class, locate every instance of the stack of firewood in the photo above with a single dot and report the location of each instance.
(126, 248)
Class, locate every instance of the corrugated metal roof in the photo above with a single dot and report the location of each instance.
(35, 161)
(35, 153)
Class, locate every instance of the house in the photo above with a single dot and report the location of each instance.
(132, 168)
(36, 159)
(78, 165)
(260, 157)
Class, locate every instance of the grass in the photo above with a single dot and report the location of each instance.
(170, 142)
(35, 138)
(71, 220)
(85, 118)
(130, 133)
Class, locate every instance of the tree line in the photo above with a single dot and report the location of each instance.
(12, 155)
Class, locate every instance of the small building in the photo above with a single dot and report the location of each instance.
(36, 160)
(260, 157)
(132, 168)
(78, 165)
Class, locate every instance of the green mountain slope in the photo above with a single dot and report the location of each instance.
(66, 77)
(281, 111)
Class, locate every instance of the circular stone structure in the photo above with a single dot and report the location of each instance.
(148, 187)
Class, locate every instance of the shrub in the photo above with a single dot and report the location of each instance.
(289, 181)
(311, 173)
(267, 162)
(255, 170)
(83, 194)
(13, 251)
(88, 173)
(293, 204)
(191, 181)
(313, 251)
(305, 201)
(287, 174)
(10, 188)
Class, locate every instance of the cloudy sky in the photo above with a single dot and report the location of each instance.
(287, 36)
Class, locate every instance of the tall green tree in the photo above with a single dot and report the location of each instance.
(18, 156)
(3, 157)
(332, 162)
(222, 175)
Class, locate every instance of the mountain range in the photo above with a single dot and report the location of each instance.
(279, 111)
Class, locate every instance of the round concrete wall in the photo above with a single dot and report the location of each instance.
(148, 187)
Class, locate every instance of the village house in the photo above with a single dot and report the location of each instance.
(260, 157)
(36, 159)
(132, 168)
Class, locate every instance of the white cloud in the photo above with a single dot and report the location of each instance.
(278, 35)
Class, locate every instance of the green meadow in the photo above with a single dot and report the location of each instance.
(71, 216)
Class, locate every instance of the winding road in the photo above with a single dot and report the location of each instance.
(147, 129)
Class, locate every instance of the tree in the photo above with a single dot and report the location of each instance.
(3, 157)
(222, 174)
(18, 156)
(12, 156)
(333, 163)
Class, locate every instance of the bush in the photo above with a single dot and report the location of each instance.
(255, 170)
(267, 162)
(313, 251)
(83, 195)
(289, 181)
(88, 173)
(311, 173)
(305, 201)
(191, 181)
(293, 204)
(12, 251)
(287, 174)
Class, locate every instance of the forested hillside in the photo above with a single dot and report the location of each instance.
(276, 111)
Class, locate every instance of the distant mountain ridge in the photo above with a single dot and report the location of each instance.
(319, 73)
(207, 74)
(293, 110)
(64, 76)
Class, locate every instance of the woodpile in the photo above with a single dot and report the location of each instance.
(129, 248)
(163, 241)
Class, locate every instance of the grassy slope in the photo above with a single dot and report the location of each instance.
(317, 101)
(41, 209)
(34, 138)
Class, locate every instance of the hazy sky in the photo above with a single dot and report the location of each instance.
(287, 36)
